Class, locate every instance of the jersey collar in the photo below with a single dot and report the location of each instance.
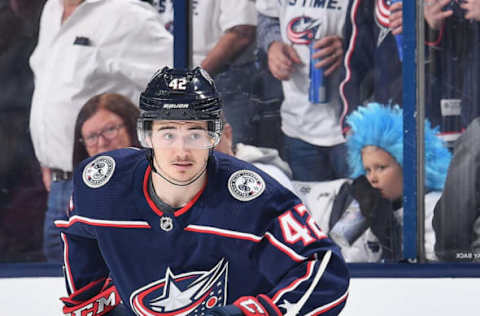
(154, 207)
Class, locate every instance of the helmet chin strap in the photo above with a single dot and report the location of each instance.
(150, 158)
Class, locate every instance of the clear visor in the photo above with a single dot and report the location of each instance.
(169, 136)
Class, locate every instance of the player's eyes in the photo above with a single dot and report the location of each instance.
(195, 136)
(168, 136)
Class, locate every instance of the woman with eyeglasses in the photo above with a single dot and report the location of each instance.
(106, 122)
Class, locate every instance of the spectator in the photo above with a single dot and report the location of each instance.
(86, 47)
(364, 215)
(223, 36)
(313, 142)
(106, 122)
(372, 69)
(456, 218)
(266, 159)
(178, 226)
(454, 34)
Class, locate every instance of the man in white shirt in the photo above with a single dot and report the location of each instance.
(86, 47)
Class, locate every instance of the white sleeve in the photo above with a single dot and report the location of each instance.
(142, 46)
(238, 12)
(268, 7)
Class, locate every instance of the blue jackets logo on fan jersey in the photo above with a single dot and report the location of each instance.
(190, 293)
(302, 30)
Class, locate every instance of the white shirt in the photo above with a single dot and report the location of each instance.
(317, 124)
(211, 18)
(124, 44)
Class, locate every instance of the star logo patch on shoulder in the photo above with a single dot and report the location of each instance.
(246, 185)
(98, 172)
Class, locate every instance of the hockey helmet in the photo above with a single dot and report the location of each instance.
(183, 95)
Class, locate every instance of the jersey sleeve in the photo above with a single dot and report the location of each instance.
(359, 45)
(85, 271)
(309, 273)
(83, 262)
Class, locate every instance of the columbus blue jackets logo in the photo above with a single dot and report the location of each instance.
(245, 185)
(190, 293)
(98, 172)
(302, 30)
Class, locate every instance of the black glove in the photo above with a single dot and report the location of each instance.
(229, 310)
(379, 214)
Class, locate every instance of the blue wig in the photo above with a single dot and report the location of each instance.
(382, 126)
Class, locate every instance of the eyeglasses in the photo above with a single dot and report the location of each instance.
(196, 138)
(109, 133)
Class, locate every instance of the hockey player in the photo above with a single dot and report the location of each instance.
(184, 230)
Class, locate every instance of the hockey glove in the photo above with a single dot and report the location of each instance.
(105, 298)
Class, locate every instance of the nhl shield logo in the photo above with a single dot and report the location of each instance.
(166, 223)
(245, 185)
(98, 172)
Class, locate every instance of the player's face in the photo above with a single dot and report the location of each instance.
(383, 172)
(180, 149)
(104, 131)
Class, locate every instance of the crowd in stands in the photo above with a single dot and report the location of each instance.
(72, 73)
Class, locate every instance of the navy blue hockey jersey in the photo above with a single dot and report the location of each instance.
(372, 69)
(219, 247)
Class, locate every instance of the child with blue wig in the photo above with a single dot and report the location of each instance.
(365, 217)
